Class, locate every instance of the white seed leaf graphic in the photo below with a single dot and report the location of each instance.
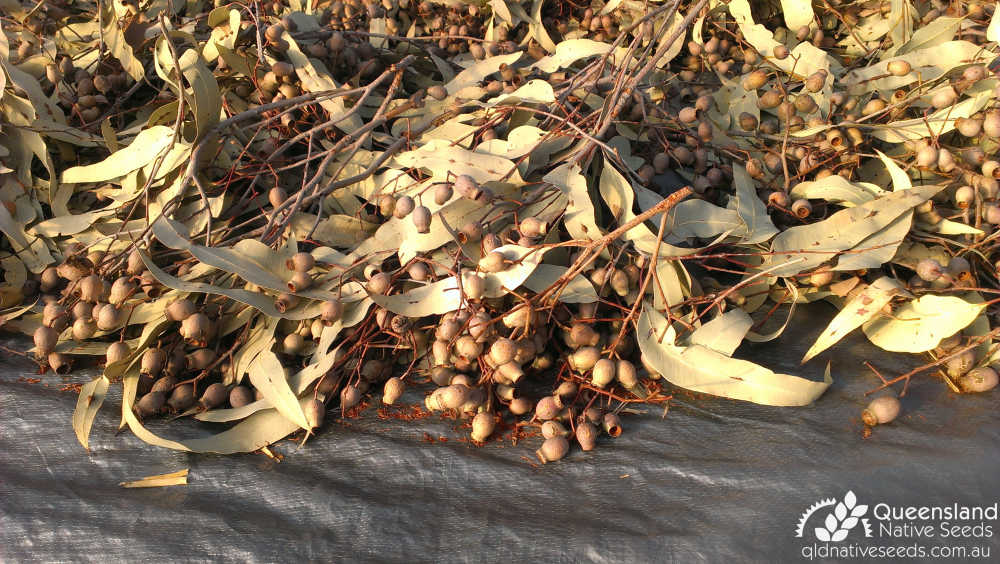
(850, 500)
(839, 535)
(822, 534)
(840, 511)
(849, 523)
(859, 510)
(831, 523)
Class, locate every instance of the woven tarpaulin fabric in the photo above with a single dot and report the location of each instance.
(713, 479)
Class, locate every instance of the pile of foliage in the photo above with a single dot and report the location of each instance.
(539, 212)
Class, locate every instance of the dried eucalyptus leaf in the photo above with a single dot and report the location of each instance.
(919, 325)
(141, 151)
(864, 306)
(702, 369)
(178, 478)
(91, 398)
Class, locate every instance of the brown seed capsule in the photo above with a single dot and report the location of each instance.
(350, 396)
(404, 205)
(627, 374)
(182, 397)
(45, 340)
(443, 194)
(300, 281)
(331, 311)
(90, 288)
(549, 407)
(553, 429)
(379, 283)
(780, 52)
(117, 351)
(881, 410)
(301, 262)
(150, 404)
(899, 67)
(493, 262)
(801, 208)
(978, 380)
(213, 396)
(584, 358)
(467, 187)
(502, 351)
(553, 449)
(110, 317)
(770, 99)
(274, 32)
(181, 309)
(473, 285)
(195, 327)
(519, 406)
(612, 424)
(603, 372)
(293, 343)
(991, 124)
(959, 364)
(815, 81)
(748, 121)
(54, 315)
(419, 271)
(422, 219)
(153, 361)
(240, 396)
(437, 92)
(483, 425)
(586, 435)
(393, 390)
(944, 97)
(84, 328)
(276, 196)
(200, 359)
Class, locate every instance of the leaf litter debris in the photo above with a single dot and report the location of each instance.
(539, 215)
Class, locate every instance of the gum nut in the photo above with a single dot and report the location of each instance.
(182, 397)
(483, 425)
(612, 424)
(150, 404)
(350, 396)
(958, 266)
(466, 186)
(214, 396)
(293, 343)
(548, 407)
(300, 281)
(502, 351)
(331, 311)
(493, 262)
(53, 315)
(553, 429)
(929, 269)
(603, 372)
(386, 204)
(473, 286)
(404, 205)
(45, 340)
(418, 271)
(959, 364)
(393, 390)
(586, 435)
(379, 283)
(59, 363)
(584, 359)
(899, 68)
(627, 374)
(84, 329)
(315, 411)
(422, 219)
(443, 194)
(519, 406)
(303, 262)
(468, 348)
(200, 359)
(977, 380)
(180, 309)
(195, 327)
(117, 351)
(110, 317)
(880, 411)
(510, 372)
(164, 384)
(240, 396)
(553, 449)
(153, 360)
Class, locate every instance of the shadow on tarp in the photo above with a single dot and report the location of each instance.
(714, 479)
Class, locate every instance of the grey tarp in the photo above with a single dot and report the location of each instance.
(714, 480)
